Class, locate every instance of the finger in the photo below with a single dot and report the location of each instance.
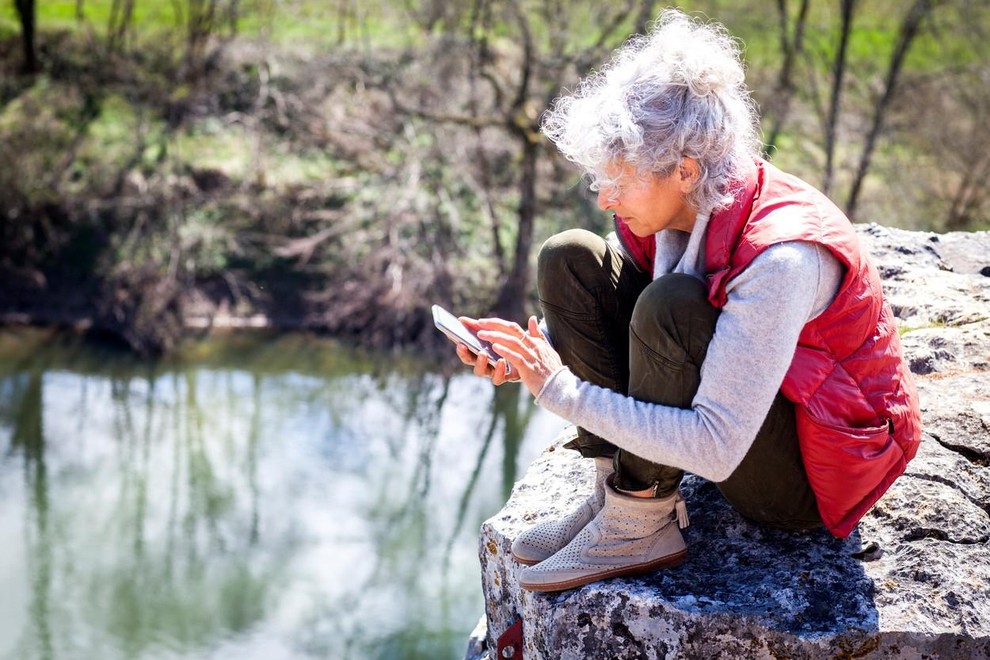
(516, 336)
(466, 356)
(481, 367)
(512, 356)
(501, 325)
(470, 358)
(499, 372)
(534, 328)
(511, 375)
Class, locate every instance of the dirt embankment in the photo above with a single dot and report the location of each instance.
(275, 190)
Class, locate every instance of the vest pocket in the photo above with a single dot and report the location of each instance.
(846, 464)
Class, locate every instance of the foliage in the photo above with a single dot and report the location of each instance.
(342, 168)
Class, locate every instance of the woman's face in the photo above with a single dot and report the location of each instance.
(647, 205)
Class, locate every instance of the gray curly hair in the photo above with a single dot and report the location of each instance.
(679, 91)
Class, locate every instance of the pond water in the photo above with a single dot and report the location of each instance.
(253, 498)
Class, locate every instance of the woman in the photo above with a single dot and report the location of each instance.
(735, 329)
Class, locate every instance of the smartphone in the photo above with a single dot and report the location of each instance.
(459, 333)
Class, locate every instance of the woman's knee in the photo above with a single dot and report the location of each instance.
(564, 247)
(669, 300)
(561, 256)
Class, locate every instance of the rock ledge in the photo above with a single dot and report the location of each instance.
(913, 580)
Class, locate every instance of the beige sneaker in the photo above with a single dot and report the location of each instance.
(540, 542)
(629, 536)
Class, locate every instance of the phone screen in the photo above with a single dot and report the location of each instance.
(461, 334)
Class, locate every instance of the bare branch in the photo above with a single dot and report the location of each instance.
(909, 30)
(303, 248)
(791, 47)
(838, 75)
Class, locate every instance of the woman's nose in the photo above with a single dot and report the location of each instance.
(606, 198)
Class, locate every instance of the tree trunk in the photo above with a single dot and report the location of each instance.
(969, 198)
(511, 302)
(27, 15)
(909, 30)
(121, 14)
(233, 16)
(790, 47)
(838, 75)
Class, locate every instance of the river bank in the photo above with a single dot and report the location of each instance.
(278, 187)
(150, 317)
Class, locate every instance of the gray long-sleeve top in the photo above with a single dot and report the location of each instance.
(754, 343)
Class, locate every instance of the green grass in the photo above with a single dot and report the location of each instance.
(935, 325)
(319, 24)
(61, 14)
(310, 22)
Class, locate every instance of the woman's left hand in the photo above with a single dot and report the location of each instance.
(529, 353)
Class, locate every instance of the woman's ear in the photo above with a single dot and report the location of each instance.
(689, 172)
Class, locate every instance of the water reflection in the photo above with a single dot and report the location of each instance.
(273, 499)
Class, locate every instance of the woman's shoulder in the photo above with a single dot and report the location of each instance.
(795, 256)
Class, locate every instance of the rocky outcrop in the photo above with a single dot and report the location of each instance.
(913, 580)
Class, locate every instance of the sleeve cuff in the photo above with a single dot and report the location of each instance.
(558, 382)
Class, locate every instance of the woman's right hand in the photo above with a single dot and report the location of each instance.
(532, 357)
(498, 373)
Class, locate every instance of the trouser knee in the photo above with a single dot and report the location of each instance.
(674, 311)
(561, 256)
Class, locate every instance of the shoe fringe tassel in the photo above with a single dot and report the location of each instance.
(680, 506)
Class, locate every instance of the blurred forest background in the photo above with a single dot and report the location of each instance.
(339, 165)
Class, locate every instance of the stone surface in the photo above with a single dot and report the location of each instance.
(913, 580)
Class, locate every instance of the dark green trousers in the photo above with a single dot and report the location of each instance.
(616, 327)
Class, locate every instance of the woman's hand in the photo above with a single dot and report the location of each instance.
(532, 358)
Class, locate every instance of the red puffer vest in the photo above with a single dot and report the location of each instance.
(858, 418)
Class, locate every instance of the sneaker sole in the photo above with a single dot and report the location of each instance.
(528, 562)
(638, 569)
